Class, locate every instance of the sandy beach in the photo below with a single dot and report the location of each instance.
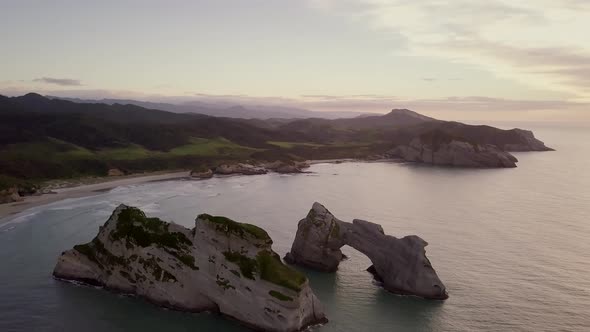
(92, 186)
(85, 190)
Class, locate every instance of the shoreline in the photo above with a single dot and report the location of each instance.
(81, 189)
(91, 186)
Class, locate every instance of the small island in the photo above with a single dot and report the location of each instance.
(400, 265)
(220, 265)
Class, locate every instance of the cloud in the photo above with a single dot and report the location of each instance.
(539, 43)
(58, 81)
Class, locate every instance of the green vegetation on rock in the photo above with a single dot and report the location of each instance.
(273, 270)
(134, 226)
(87, 250)
(269, 267)
(97, 253)
(188, 260)
(247, 265)
(228, 226)
(280, 296)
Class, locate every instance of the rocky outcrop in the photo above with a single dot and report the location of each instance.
(287, 167)
(202, 173)
(244, 169)
(282, 167)
(454, 152)
(10, 195)
(401, 264)
(219, 265)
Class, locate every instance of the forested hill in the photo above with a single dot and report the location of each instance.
(42, 138)
(33, 118)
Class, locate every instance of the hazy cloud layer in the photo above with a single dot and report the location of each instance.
(58, 81)
(540, 43)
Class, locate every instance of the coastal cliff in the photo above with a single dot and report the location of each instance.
(220, 265)
(526, 142)
(442, 149)
(454, 153)
(401, 264)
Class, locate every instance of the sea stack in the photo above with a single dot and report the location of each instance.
(220, 265)
(401, 264)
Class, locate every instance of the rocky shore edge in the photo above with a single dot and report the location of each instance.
(245, 168)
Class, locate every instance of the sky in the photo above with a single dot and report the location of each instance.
(454, 59)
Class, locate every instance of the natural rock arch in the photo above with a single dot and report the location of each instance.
(401, 264)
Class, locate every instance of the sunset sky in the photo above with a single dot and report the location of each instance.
(460, 59)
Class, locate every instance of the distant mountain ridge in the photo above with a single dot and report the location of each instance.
(225, 109)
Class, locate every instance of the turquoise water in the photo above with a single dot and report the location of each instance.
(511, 245)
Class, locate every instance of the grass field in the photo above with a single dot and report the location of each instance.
(58, 150)
(211, 147)
(290, 145)
(48, 149)
(131, 152)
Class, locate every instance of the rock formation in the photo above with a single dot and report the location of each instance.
(240, 168)
(287, 167)
(249, 169)
(401, 264)
(10, 195)
(455, 153)
(204, 173)
(219, 265)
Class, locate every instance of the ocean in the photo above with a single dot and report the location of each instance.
(511, 245)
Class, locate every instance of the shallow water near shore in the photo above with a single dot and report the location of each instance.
(511, 245)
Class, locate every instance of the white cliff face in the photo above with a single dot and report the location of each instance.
(220, 265)
(401, 264)
(454, 153)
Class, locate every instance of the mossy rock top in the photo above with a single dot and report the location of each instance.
(134, 226)
(239, 229)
